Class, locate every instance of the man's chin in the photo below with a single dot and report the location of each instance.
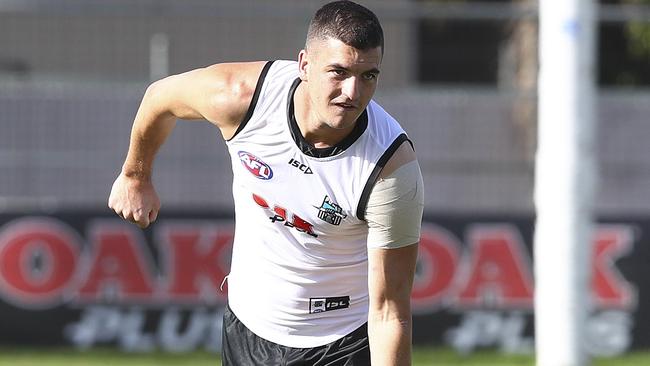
(339, 123)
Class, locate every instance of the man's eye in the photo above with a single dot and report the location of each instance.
(370, 76)
(338, 72)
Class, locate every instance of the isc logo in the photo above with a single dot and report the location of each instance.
(302, 167)
(255, 165)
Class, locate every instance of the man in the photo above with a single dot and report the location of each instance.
(328, 196)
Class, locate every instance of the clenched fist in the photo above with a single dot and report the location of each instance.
(134, 200)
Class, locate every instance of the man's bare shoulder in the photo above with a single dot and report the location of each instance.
(220, 93)
(229, 89)
(237, 75)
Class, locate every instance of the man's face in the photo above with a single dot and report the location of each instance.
(340, 81)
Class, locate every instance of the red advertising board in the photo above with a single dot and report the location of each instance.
(88, 279)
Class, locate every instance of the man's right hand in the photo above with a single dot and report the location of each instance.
(134, 200)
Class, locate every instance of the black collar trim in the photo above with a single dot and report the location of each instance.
(309, 149)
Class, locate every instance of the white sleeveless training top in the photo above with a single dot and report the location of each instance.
(299, 273)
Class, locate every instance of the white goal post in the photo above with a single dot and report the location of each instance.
(565, 180)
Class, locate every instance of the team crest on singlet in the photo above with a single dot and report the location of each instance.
(330, 212)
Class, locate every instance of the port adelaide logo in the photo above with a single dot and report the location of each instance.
(330, 212)
(255, 165)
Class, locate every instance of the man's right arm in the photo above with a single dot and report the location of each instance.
(220, 94)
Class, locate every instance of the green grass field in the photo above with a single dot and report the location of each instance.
(108, 357)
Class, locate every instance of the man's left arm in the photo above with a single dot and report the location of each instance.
(389, 318)
(394, 216)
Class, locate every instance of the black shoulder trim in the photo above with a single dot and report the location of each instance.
(256, 96)
(365, 194)
(323, 152)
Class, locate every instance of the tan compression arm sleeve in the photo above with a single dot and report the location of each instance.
(394, 210)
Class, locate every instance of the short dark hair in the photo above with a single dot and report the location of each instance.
(348, 22)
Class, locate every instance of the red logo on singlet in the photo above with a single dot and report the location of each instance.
(255, 165)
(280, 214)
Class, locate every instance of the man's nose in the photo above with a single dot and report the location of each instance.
(351, 88)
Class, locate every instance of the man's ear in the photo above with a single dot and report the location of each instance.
(303, 64)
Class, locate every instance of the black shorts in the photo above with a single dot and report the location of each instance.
(243, 348)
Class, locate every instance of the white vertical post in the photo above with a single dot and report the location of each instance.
(564, 181)
(158, 56)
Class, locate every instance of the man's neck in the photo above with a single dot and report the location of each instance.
(316, 132)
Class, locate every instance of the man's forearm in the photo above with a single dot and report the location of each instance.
(151, 127)
(390, 339)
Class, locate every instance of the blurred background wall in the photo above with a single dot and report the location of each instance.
(460, 77)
